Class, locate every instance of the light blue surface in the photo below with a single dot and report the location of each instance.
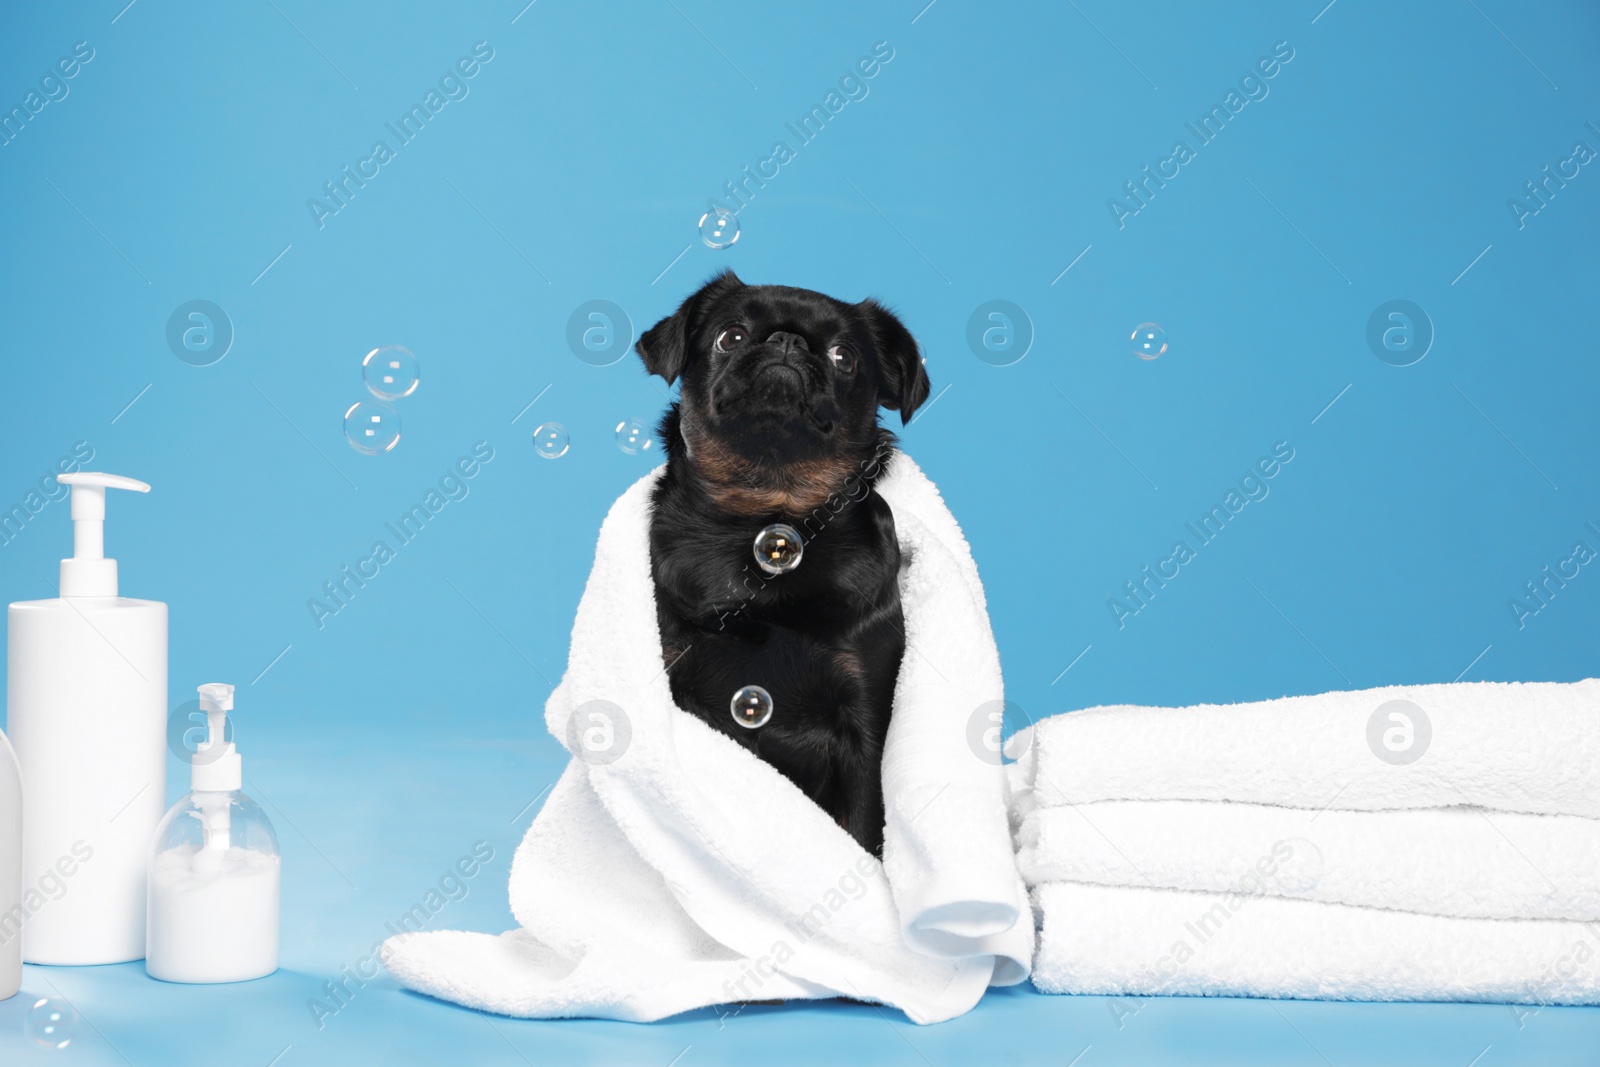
(978, 166)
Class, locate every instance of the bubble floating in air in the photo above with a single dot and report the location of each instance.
(1149, 340)
(52, 1022)
(550, 440)
(391, 372)
(633, 437)
(371, 427)
(719, 229)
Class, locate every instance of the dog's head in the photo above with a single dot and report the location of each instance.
(782, 385)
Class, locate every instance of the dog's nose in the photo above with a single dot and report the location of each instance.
(787, 342)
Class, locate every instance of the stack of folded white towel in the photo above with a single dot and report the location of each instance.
(1434, 842)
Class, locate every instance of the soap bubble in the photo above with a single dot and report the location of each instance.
(632, 437)
(371, 427)
(391, 372)
(751, 707)
(52, 1022)
(550, 440)
(778, 549)
(719, 228)
(1149, 340)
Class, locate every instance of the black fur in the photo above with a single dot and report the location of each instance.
(776, 430)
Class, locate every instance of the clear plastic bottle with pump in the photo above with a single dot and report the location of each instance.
(214, 870)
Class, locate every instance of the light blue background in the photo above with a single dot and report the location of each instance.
(978, 167)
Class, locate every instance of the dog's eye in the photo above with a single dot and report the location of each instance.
(731, 336)
(842, 358)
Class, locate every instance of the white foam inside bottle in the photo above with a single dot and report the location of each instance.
(213, 915)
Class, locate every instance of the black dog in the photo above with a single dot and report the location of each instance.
(777, 422)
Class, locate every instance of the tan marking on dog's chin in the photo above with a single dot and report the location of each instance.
(739, 487)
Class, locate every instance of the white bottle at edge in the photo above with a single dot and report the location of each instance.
(10, 872)
(86, 695)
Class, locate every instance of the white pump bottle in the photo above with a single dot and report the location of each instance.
(86, 695)
(214, 869)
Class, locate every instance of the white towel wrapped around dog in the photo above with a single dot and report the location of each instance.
(671, 868)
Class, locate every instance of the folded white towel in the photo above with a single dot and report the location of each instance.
(1112, 940)
(1529, 747)
(1454, 861)
(670, 868)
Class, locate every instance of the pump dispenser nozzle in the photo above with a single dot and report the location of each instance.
(216, 766)
(214, 772)
(89, 572)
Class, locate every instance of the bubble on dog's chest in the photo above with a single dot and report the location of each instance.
(751, 707)
(371, 427)
(719, 228)
(1149, 340)
(550, 440)
(633, 437)
(778, 549)
(391, 372)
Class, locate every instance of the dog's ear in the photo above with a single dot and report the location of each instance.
(902, 379)
(664, 347)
